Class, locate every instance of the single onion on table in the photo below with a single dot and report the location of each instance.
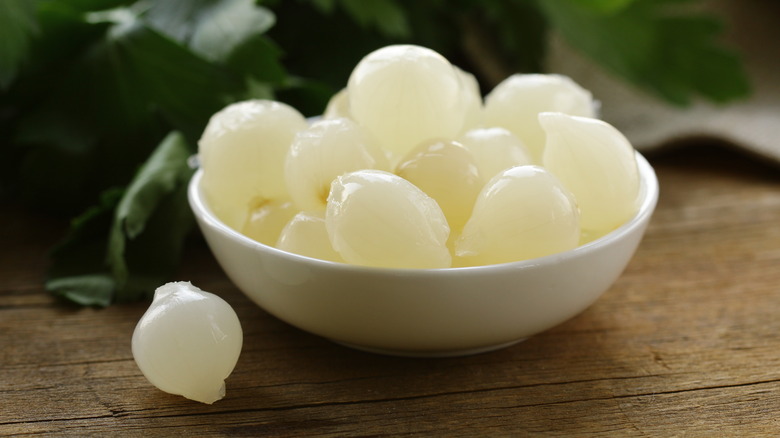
(188, 342)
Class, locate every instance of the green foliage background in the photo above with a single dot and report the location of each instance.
(103, 101)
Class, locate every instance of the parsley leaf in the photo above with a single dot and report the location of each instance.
(661, 49)
(146, 225)
(78, 271)
(155, 197)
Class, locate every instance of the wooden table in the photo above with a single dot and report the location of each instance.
(687, 343)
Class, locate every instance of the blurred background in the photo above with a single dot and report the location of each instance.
(103, 101)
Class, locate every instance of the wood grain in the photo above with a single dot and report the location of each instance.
(686, 343)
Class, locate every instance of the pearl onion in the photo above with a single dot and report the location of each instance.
(188, 342)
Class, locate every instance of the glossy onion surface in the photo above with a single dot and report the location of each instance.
(597, 164)
(242, 153)
(188, 342)
(404, 94)
(322, 152)
(306, 235)
(447, 172)
(266, 220)
(376, 218)
(472, 100)
(522, 213)
(495, 149)
(516, 102)
(338, 106)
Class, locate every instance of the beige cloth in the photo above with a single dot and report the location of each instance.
(753, 123)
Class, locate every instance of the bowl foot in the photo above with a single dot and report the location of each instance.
(430, 353)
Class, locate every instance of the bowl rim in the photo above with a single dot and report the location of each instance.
(649, 192)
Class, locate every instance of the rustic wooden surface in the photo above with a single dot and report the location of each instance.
(687, 343)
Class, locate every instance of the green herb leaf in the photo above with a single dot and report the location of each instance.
(258, 59)
(111, 105)
(158, 178)
(325, 6)
(228, 26)
(185, 88)
(17, 25)
(384, 15)
(146, 225)
(604, 6)
(661, 49)
(228, 33)
(78, 271)
(152, 257)
(213, 29)
(86, 290)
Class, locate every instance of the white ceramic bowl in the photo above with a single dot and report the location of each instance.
(425, 312)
